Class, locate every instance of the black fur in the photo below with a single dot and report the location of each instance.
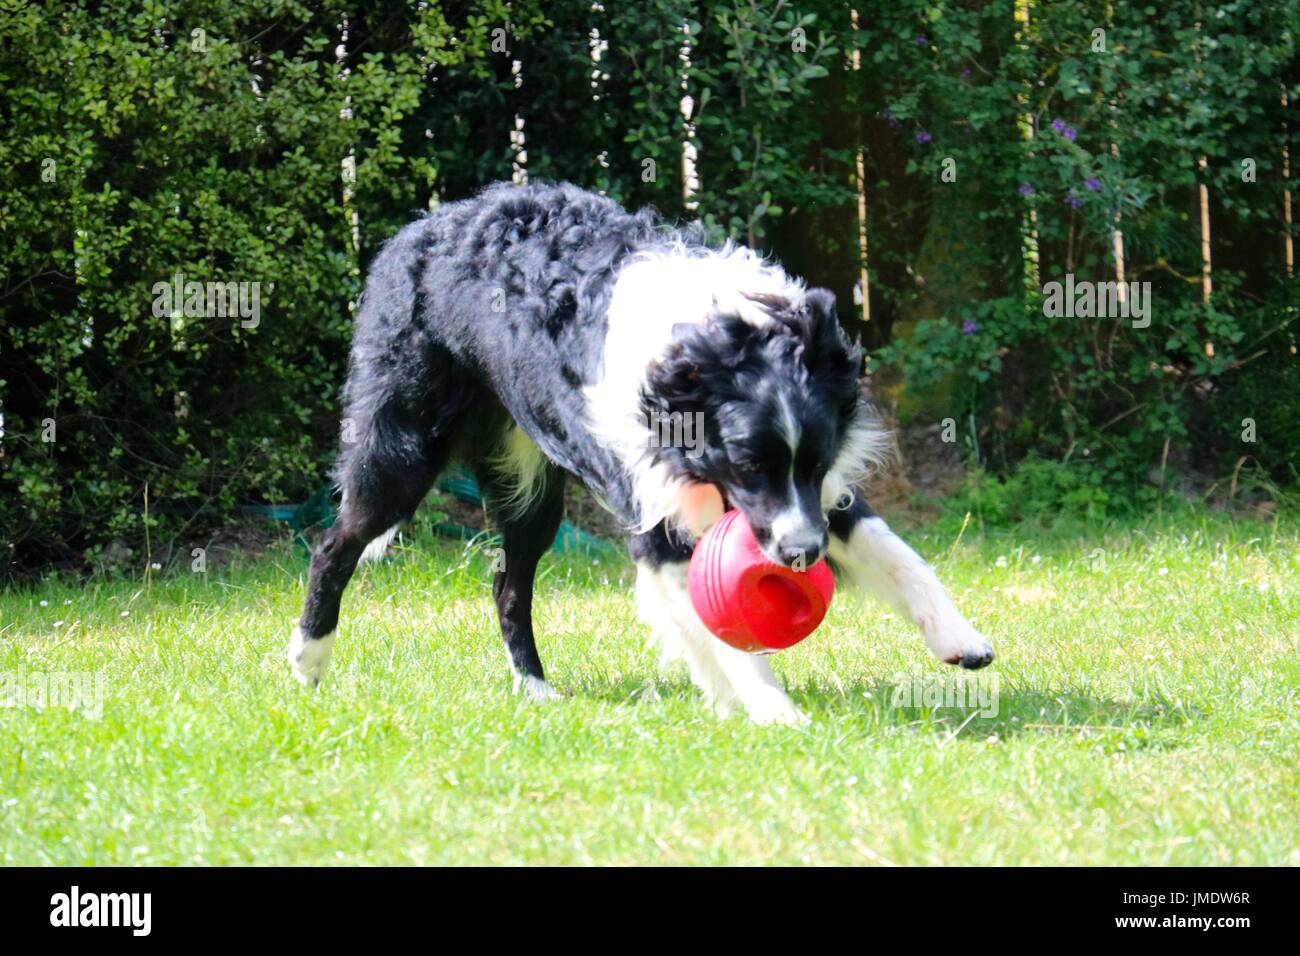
(492, 311)
(745, 382)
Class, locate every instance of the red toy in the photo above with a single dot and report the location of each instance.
(748, 600)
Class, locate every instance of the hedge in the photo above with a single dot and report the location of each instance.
(264, 151)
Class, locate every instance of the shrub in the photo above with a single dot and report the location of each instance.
(279, 143)
(137, 146)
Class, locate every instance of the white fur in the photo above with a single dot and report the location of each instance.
(866, 444)
(654, 292)
(788, 522)
(878, 560)
(308, 659)
(682, 285)
(523, 467)
(376, 549)
(728, 677)
(534, 689)
(790, 428)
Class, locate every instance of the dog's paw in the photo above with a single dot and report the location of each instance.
(976, 657)
(308, 657)
(955, 641)
(769, 705)
(535, 689)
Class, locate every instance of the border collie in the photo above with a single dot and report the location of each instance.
(539, 332)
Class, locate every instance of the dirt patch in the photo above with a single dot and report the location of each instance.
(921, 470)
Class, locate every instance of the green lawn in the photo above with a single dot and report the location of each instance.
(1148, 714)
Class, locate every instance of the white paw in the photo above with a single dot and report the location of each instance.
(954, 641)
(308, 658)
(723, 706)
(535, 689)
(770, 705)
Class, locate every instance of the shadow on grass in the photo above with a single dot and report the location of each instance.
(930, 705)
(1149, 721)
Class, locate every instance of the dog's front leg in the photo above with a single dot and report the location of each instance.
(728, 677)
(873, 557)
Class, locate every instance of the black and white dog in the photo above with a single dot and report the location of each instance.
(543, 331)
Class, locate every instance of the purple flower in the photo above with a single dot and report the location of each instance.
(969, 328)
(922, 39)
(1058, 126)
(1093, 184)
(1070, 133)
(1073, 200)
(965, 73)
(1026, 189)
(923, 137)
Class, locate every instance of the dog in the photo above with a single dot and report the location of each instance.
(539, 332)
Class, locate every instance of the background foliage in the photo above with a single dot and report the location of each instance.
(141, 138)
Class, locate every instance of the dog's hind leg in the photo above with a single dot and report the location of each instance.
(385, 473)
(526, 502)
(729, 678)
(872, 556)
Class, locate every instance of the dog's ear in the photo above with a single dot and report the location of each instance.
(833, 359)
(699, 361)
(771, 303)
(820, 302)
(826, 338)
(673, 379)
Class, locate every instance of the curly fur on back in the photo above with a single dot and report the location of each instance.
(546, 307)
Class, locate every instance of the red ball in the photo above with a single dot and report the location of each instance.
(748, 600)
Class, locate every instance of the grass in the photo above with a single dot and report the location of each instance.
(1147, 714)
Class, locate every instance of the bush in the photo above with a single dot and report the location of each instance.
(138, 147)
(1121, 120)
(278, 143)
(1039, 492)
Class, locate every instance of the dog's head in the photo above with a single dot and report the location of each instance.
(770, 413)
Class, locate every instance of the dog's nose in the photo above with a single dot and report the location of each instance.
(801, 552)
